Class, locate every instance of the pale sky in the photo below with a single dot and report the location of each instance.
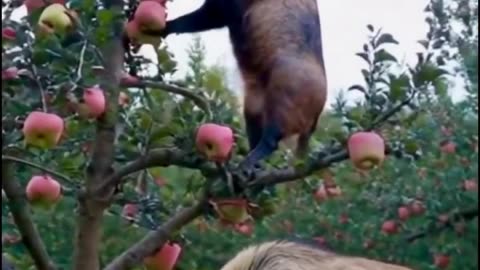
(344, 31)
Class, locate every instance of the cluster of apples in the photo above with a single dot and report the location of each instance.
(415, 208)
(150, 16)
(366, 150)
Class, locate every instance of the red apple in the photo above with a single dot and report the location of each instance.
(150, 15)
(10, 73)
(232, 210)
(43, 191)
(215, 141)
(441, 261)
(320, 194)
(448, 147)
(94, 99)
(8, 33)
(470, 185)
(244, 228)
(390, 227)
(403, 213)
(164, 259)
(366, 150)
(129, 211)
(417, 208)
(42, 129)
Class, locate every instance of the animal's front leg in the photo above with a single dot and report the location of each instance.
(208, 16)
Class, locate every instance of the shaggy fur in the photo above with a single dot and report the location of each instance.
(288, 255)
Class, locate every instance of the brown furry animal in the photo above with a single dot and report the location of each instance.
(286, 255)
(278, 47)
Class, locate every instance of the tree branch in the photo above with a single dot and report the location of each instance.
(199, 101)
(38, 166)
(162, 157)
(468, 214)
(155, 239)
(20, 210)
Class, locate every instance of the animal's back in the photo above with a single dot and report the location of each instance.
(285, 255)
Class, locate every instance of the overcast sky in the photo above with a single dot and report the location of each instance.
(344, 31)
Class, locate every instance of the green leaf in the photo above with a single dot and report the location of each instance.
(399, 86)
(427, 73)
(357, 87)
(424, 43)
(364, 56)
(384, 39)
(383, 56)
(441, 87)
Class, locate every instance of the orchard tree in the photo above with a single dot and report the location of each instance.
(107, 164)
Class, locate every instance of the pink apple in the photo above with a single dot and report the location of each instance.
(470, 185)
(95, 102)
(160, 181)
(10, 73)
(129, 211)
(448, 147)
(44, 191)
(150, 15)
(8, 33)
(441, 261)
(42, 129)
(403, 213)
(165, 258)
(244, 228)
(232, 210)
(320, 194)
(366, 150)
(390, 227)
(215, 141)
(417, 208)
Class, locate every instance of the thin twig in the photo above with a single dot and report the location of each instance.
(80, 62)
(199, 101)
(38, 166)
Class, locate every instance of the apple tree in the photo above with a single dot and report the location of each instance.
(109, 163)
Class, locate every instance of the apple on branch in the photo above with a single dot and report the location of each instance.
(43, 191)
(94, 103)
(55, 19)
(165, 258)
(366, 150)
(150, 16)
(42, 129)
(390, 227)
(232, 211)
(8, 34)
(215, 141)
